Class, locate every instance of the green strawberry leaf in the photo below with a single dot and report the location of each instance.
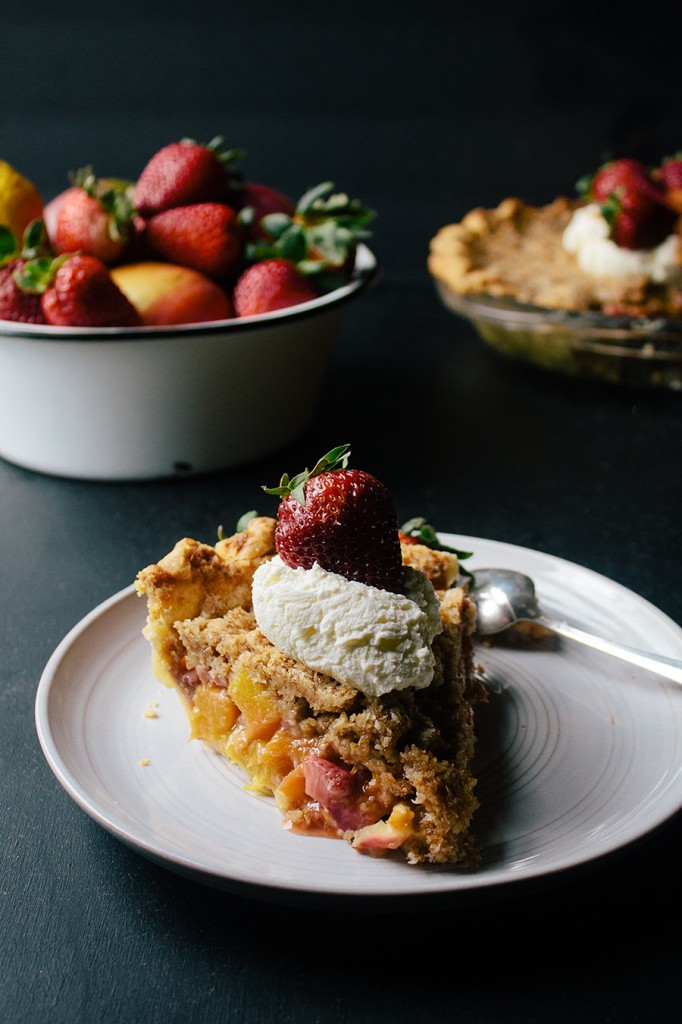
(9, 249)
(245, 519)
(275, 224)
(35, 242)
(293, 244)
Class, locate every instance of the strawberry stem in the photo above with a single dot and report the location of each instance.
(337, 458)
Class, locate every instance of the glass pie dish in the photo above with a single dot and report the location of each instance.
(632, 351)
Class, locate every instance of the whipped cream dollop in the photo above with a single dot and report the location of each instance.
(370, 639)
(586, 237)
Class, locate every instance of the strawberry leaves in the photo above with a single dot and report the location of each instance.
(320, 237)
(337, 458)
(34, 243)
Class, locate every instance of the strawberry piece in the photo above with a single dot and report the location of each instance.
(183, 173)
(95, 217)
(269, 285)
(633, 204)
(82, 293)
(337, 790)
(343, 519)
(203, 236)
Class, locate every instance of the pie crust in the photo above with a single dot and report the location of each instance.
(515, 251)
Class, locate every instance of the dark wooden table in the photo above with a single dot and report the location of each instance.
(423, 116)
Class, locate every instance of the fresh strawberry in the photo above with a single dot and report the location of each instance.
(341, 518)
(636, 221)
(619, 176)
(632, 202)
(203, 236)
(18, 303)
(15, 302)
(183, 173)
(78, 291)
(254, 202)
(95, 217)
(669, 174)
(269, 285)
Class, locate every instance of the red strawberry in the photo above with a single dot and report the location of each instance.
(669, 174)
(620, 176)
(269, 285)
(16, 302)
(637, 221)
(203, 236)
(183, 173)
(343, 519)
(256, 201)
(632, 203)
(80, 292)
(95, 217)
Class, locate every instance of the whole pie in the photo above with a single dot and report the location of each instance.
(386, 772)
(614, 249)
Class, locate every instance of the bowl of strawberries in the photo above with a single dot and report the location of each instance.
(177, 324)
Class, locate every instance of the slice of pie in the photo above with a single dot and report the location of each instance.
(387, 772)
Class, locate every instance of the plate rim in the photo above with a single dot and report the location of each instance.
(466, 884)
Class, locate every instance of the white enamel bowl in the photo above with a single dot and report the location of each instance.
(143, 403)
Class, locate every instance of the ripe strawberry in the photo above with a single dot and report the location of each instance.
(632, 203)
(78, 291)
(269, 285)
(95, 217)
(621, 175)
(669, 174)
(203, 236)
(16, 302)
(254, 202)
(183, 173)
(341, 518)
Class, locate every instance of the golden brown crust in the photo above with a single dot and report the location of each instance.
(515, 251)
(195, 580)
(441, 567)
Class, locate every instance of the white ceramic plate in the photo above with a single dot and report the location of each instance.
(579, 754)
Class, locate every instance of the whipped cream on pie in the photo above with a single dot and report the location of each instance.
(373, 640)
(587, 237)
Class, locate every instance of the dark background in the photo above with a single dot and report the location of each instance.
(423, 111)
